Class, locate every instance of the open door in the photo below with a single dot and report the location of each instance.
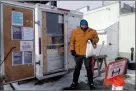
(73, 21)
(112, 41)
(53, 42)
(18, 35)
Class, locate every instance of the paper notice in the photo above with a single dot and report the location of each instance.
(17, 58)
(17, 18)
(28, 33)
(26, 45)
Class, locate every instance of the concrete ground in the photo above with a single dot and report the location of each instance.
(66, 80)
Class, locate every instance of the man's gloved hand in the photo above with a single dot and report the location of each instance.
(93, 43)
(73, 53)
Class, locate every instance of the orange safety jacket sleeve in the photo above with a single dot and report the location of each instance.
(95, 40)
(72, 41)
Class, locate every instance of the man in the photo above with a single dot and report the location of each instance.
(78, 44)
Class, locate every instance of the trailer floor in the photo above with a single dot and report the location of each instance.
(66, 80)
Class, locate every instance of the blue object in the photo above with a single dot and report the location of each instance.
(83, 22)
(17, 18)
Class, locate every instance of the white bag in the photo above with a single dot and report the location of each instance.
(90, 51)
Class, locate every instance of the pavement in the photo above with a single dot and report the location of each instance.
(66, 81)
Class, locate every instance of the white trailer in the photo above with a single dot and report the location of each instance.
(106, 21)
(127, 36)
(39, 38)
(51, 63)
(118, 31)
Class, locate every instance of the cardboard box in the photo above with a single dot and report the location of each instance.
(49, 39)
(61, 51)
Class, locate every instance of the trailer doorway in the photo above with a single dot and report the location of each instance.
(53, 42)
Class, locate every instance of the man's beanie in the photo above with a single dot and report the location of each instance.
(83, 22)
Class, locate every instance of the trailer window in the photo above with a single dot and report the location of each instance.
(55, 41)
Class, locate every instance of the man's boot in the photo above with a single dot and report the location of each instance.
(92, 87)
(73, 86)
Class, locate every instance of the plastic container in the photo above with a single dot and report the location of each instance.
(117, 83)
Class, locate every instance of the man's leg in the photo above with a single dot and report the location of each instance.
(88, 65)
(79, 62)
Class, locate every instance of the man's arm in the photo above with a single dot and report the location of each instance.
(95, 40)
(72, 41)
(72, 44)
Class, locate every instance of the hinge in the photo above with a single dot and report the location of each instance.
(38, 62)
(37, 22)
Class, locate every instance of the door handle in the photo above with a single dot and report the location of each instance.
(132, 53)
(110, 44)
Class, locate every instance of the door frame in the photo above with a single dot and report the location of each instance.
(23, 6)
(40, 74)
(117, 45)
(66, 32)
(2, 71)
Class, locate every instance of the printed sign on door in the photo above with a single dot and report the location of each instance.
(28, 33)
(26, 45)
(17, 18)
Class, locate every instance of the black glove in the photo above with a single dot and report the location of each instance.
(73, 53)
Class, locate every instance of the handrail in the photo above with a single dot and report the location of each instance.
(7, 55)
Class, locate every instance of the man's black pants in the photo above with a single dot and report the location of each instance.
(79, 61)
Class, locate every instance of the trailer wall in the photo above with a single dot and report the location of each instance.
(105, 20)
(127, 35)
(17, 21)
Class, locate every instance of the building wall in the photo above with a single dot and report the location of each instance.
(74, 5)
(109, 2)
(126, 35)
(103, 17)
(84, 9)
(127, 9)
(111, 36)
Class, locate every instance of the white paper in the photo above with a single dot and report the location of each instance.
(60, 19)
(28, 57)
(17, 58)
(17, 18)
(16, 33)
(28, 33)
(26, 45)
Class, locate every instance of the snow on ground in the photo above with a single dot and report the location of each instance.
(7, 87)
(66, 80)
(57, 85)
(130, 77)
(130, 80)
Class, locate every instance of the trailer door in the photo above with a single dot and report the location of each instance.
(112, 41)
(52, 43)
(72, 22)
(18, 42)
(127, 36)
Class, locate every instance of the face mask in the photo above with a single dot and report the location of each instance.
(84, 29)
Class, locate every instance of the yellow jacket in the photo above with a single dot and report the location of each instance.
(79, 38)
